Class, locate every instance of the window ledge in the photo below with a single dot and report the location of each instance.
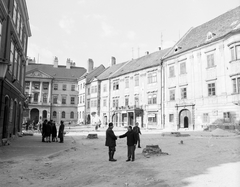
(235, 60)
(211, 67)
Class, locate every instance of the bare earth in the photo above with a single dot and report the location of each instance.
(200, 161)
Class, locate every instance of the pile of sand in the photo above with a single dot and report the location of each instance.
(221, 132)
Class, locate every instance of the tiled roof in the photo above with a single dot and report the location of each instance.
(219, 26)
(144, 62)
(60, 72)
(94, 73)
(110, 71)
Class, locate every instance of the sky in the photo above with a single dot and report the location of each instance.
(101, 29)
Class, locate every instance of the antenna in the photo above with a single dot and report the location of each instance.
(132, 53)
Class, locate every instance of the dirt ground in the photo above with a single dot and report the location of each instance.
(199, 161)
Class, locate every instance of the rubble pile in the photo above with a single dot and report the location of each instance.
(152, 150)
(92, 136)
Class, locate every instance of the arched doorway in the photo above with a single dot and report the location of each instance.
(44, 115)
(34, 115)
(88, 119)
(105, 120)
(184, 118)
(19, 117)
(15, 117)
(5, 118)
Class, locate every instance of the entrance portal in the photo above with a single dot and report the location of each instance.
(184, 118)
(34, 115)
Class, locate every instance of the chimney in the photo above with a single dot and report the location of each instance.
(159, 48)
(147, 53)
(68, 63)
(90, 65)
(113, 61)
(55, 62)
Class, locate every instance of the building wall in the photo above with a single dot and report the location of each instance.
(81, 103)
(204, 109)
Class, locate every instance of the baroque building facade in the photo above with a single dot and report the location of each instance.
(14, 34)
(53, 91)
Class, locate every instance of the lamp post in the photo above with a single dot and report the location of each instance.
(3, 71)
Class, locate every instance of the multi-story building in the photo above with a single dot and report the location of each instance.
(53, 91)
(105, 95)
(90, 108)
(202, 75)
(14, 33)
(135, 92)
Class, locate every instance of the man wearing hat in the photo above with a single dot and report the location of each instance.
(111, 142)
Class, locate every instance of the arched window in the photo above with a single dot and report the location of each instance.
(54, 114)
(63, 114)
(72, 115)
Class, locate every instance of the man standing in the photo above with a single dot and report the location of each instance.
(111, 142)
(138, 132)
(61, 132)
(131, 143)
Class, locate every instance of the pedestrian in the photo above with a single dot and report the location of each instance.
(54, 132)
(137, 130)
(48, 132)
(111, 142)
(44, 130)
(61, 132)
(131, 143)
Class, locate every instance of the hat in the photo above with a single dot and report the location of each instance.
(110, 124)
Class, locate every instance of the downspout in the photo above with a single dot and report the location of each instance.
(163, 93)
(109, 100)
(51, 99)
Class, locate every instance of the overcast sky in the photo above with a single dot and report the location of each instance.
(100, 29)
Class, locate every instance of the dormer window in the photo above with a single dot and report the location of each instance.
(210, 35)
(177, 48)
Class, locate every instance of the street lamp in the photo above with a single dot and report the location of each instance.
(3, 71)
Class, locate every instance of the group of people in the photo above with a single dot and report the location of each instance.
(133, 139)
(49, 131)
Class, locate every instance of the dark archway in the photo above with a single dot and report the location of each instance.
(184, 118)
(44, 115)
(5, 118)
(15, 117)
(19, 117)
(34, 115)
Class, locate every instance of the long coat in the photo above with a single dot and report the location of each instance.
(110, 138)
(137, 130)
(131, 137)
(54, 131)
(60, 131)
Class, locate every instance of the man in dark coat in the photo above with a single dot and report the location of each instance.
(138, 132)
(44, 130)
(61, 131)
(111, 142)
(131, 143)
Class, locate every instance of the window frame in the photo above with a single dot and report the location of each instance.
(211, 88)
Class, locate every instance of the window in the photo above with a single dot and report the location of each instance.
(205, 118)
(104, 102)
(55, 99)
(152, 118)
(136, 100)
(211, 89)
(88, 103)
(183, 68)
(126, 101)
(14, 12)
(115, 85)
(210, 60)
(171, 71)
(45, 85)
(83, 99)
(44, 98)
(72, 115)
(152, 77)
(115, 102)
(136, 80)
(36, 85)
(226, 117)
(171, 117)
(80, 100)
(94, 89)
(54, 114)
(27, 85)
(35, 97)
(72, 100)
(55, 86)
(63, 114)
(104, 88)
(15, 64)
(64, 100)
(12, 55)
(172, 95)
(0, 33)
(235, 52)
(72, 87)
(126, 82)
(183, 93)
(64, 87)
(88, 91)
(19, 68)
(152, 99)
(236, 85)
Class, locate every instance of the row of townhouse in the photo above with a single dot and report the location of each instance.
(189, 86)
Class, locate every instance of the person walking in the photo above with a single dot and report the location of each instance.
(137, 130)
(111, 142)
(48, 131)
(131, 143)
(61, 132)
(43, 129)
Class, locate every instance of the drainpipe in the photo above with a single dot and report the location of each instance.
(109, 100)
(163, 93)
(51, 99)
